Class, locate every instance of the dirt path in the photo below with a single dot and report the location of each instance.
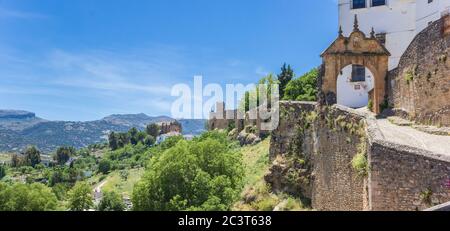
(98, 191)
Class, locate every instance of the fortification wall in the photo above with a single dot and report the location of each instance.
(420, 87)
(312, 153)
(312, 150)
(336, 185)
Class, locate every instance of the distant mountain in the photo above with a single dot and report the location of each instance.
(135, 120)
(18, 129)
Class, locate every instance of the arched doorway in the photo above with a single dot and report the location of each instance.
(359, 50)
(354, 83)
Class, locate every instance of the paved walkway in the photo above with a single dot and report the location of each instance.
(412, 137)
(409, 136)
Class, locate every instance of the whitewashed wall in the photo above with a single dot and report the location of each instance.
(348, 95)
(429, 12)
(396, 19)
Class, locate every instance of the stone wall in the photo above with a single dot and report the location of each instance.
(312, 152)
(169, 127)
(420, 86)
(407, 179)
(336, 185)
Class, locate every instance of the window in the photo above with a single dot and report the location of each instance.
(358, 73)
(378, 2)
(358, 4)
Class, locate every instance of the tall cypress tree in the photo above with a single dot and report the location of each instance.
(286, 75)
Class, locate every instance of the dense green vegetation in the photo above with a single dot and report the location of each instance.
(111, 201)
(303, 88)
(26, 197)
(210, 172)
(203, 174)
(257, 195)
(80, 197)
(286, 75)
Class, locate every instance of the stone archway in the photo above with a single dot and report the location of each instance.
(357, 49)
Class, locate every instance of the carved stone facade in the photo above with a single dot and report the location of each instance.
(357, 49)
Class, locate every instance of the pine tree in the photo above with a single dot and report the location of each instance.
(286, 75)
(112, 139)
(133, 134)
(32, 156)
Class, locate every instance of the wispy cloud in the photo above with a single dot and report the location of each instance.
(108, 72)
(16, 14)
(109, 81)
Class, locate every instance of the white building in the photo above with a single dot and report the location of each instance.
(396, 23)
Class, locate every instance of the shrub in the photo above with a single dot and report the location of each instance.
(104, 166)
(111, 201)
(26, 197)
(80, 197)
(359, 161)
(370, 105)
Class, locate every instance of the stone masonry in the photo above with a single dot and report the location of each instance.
(398, 178)
(419, 89)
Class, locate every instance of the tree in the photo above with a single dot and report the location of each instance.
(123, 139)
(141, 136)
(149, 141)
(303, 88)
(253, 97)
(153, 130)
(104, 166)
(16, 161)
(113, 141)
(32, 156)
(111, 201)
(2, 171)
(286, 75)
(203, 174)
(26, 197)
(80, 197)
(63, 154)
(133, 134)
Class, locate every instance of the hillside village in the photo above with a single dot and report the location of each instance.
(378, 136)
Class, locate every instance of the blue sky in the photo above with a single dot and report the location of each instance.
(86, 59)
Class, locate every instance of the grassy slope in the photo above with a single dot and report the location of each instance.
(120, 185)
(256, 195)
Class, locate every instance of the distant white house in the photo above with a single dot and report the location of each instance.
(164, 137)
(396, 23)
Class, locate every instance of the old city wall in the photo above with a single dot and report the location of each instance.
(419, 88)
(312, 153)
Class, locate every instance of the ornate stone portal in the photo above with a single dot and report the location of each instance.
(356, 49)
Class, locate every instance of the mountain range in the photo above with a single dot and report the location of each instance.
(19, 129)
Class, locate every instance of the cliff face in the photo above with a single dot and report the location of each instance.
(16, 115)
